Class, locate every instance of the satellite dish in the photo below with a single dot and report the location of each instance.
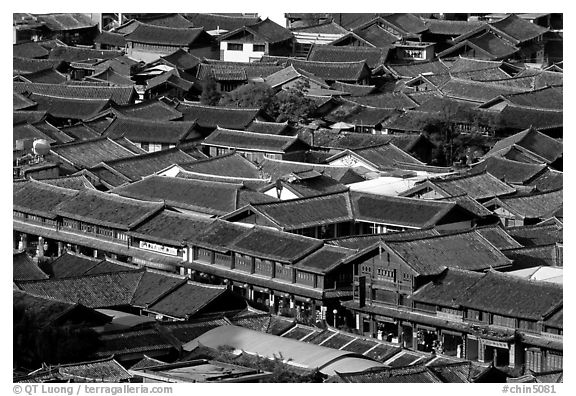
(41, 147)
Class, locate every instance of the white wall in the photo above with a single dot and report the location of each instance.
(239, 56)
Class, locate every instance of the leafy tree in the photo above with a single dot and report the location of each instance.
(292, 104)
(210, 93)
(251, 95)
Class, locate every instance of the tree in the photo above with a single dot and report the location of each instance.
(292, 104)
(210, 93)
(251, 95)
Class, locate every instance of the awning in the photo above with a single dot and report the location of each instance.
(496, 344)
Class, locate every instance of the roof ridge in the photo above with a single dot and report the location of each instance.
(81, 276)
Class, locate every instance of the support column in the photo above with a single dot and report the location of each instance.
(23, 244)
(40, 248)
(512, 354)
(272, 301)
(95, 253)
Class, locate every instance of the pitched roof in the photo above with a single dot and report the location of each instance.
(165, 19)
(181, 59)
(118, 94)
(171, 228)
(88, 153)
(518, 28)
(521, 118)
(342, 71)
(464, 250)
(308, 212)
(535, 142)
(508, 171)
(231, 164)
(324, 259)
(537, 262)
(448, 288)
(393, 375)
(107, 210)
(208, 197)
(153, 285)
(477, 186)
(399, 211)
(23, 268)
(73, 182)
(534, 206)
(328, 53)
(93, 291)
(270, 128)
(72, 108)
(360, 242)
(543, 98)
(212, 116)
(535, 235)
(411, 70)
(278, 168)
(187, 299)
(161, 35)
(219, 235)
(475, 91)
(102, 370)
(152, 131)
(498, 237)
(450, 28)
(30, 65)
(243, 140)
(39, 198)
(266, 30)
(111, 38)
(20, 102)
(77, 54)
(71, 264)
(30, 50)
(66, 21)
(217, 21)
(382, 158)
(512, 296)
(359, 115)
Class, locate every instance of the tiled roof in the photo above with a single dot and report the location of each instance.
(212, 116)
(72, 182)
(498, 237)
(395, 100)
(250, 141)
(21, 102)
(465, 250)
(512, 296)
(76, 54)
(376, 35)
(152, 131)
(342, 71)
(270, 128)
(135, 343)
(399, 211)
(32, 116)
(107, 210)
(407, 22)
(523, 118)
(181, 59)
(534, 206)
(119, 95)
(536, 234)
(167, 20)
(187, 299)
(360, 242)
(478, 186)
(235, 71)
(518, 28)
(30, 65)
(507, 170)
(149, 110)
(154, 285)
(475, 91)
(28, 132)
(310, 186)
(104, 370)
(160, 35)
(411, 70)
(324, 259)
(94, 291)
(354, 89)
(535, 142)
(54, 133)
(488, 43)
(360, 115)
(541, 78)
(533, 257)
(278, 168)
(384, 157)
(308, 212)
(328, 53)
(289, 73)
(219, 235)
(544, 98)
(80, 131)
(111, 38)
(231, 164)
(447, 290)
(88, 153)
(411, 374)
(66, 21)
(226, 22)
(23, 268)
(275, 245)
(39, 198)
(202, 196)
(171, 228)
(71, 264)
(111, 76)
(266, 30)
(72, 108)
(30, 49)
(137, 167)
(48, 310)
(450, 28)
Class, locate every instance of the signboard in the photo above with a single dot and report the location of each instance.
(158, 248)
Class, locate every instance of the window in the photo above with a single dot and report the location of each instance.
(235, 47)
(258, 47)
